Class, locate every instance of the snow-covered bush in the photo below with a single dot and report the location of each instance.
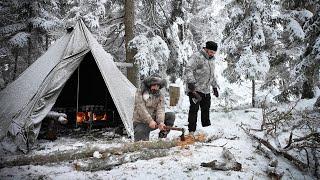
(229, 99)
(152, 54)
(252, 66)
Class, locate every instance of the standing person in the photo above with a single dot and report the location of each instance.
(149, 112)
(200, 75)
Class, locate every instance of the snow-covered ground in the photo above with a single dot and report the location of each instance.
(182, 163)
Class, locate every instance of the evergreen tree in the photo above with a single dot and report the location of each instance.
(301, 50)
(246, 44)
(24, 30)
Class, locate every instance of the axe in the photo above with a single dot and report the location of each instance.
(182, 138)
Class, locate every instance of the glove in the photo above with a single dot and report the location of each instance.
(215, 92)
(191, 86)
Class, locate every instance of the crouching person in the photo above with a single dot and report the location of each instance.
(149, 113)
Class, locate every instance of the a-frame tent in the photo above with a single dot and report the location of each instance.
(26, 101)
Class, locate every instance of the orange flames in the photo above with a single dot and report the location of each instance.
(85, 116)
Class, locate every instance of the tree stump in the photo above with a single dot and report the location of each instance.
(174, 92)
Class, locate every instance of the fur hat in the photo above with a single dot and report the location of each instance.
(211, 45)
(154, 79)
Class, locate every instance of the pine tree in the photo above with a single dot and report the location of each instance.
(247, 43)
(300, 57)
(24, 26)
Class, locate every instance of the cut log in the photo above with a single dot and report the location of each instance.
(174, 92)
(82, 153)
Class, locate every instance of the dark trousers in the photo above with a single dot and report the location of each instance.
(142, 130)
(204, 104)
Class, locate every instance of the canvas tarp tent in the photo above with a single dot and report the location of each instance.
(26, 101)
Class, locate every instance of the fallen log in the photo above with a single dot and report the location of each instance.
(230, 162)
(70, 155)
(95, 164)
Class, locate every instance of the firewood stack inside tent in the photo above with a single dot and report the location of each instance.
(86, 101)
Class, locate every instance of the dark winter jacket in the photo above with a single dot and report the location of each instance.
(200, 70)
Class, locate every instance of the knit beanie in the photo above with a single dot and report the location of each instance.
(211, 45)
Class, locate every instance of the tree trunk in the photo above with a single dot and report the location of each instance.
(307, 90)
(317, 104)
(29, 50)
(30, 15)
(15, 69)
(177, 12)
(253, 93)
(132, 72)
(174, 68)
(47, 41)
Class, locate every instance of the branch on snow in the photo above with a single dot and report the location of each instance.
(230, 162)
(301, 165)
(272, 170)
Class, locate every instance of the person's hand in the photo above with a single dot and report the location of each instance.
(197, 96)
(191, 86)
(215, 92)
(162, 126)
(152, 124)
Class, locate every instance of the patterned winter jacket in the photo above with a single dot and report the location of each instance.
(148, 107)
(201, 71)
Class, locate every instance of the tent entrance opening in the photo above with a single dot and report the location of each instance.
(85, 98)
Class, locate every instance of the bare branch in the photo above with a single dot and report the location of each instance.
(290, 141)
(315, 135)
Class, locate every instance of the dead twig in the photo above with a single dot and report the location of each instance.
(206, 144)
